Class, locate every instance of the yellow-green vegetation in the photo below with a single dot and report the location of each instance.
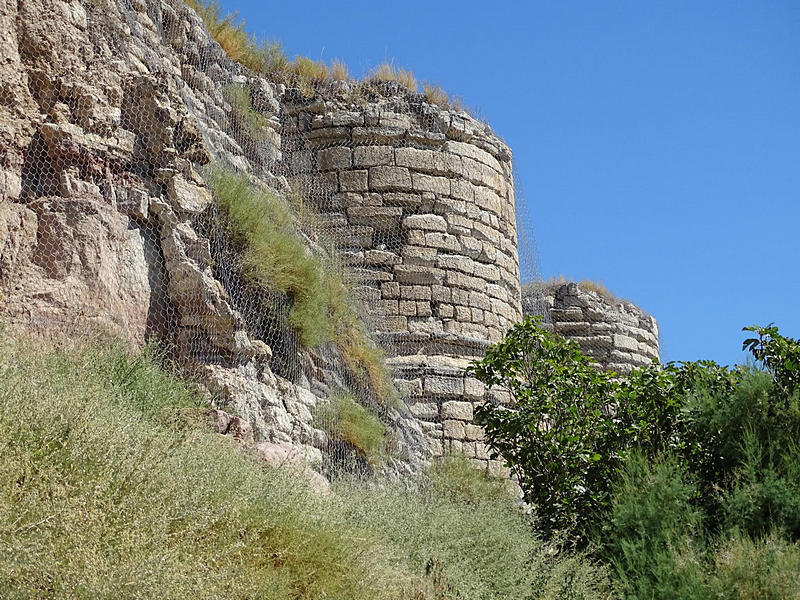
(229, 31)
(346, 420)
(111, 487)
(273, 256)
(249, 120)
(388, 72)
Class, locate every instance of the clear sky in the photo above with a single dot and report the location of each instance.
(656, 144)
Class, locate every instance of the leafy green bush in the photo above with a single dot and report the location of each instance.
(560, 438)
(651, 531)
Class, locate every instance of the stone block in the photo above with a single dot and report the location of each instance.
(473, 152)
(419, 255)
(430, 183)
(418, 275)
(444, 241)
(334, 159)
(453, 429)
(389, 179)
(473, 432)
(461, 280)
(380, 218)
(390, 289)
(623, 342)
(424, 410)
(446, 311)
(373, 156)
(435, 447)
(456, 409)
(463, 313)
(407, 308)
(425, 326)
(424, 309)
(388, 307)
(425, 222)
(378, 258)
(409, 388)
(353, 181)
(188, 196)
(396, 323)
(402, 199)
(440, 293)
(488, 272)
(456, 262)
(441, 385)
(415, 292)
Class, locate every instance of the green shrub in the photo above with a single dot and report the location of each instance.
(471, 539)
(649, 539)
(456, 477)
(345, 420)
(767, 568)
(251, 122)
(560, 439)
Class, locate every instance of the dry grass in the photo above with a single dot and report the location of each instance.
(263, 57)
(107, 490)
(435, 94)
(339, 70)
(388, 72)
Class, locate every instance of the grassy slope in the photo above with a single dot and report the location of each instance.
(111, 487)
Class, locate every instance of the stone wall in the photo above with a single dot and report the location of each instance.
(616, 333)
(421, 201)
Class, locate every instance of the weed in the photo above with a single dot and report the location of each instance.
(343, 419)
(388, 72)
(229, 31)
(251, 122)
(273, 256)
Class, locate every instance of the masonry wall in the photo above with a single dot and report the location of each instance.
(421, 203)
(616, 333)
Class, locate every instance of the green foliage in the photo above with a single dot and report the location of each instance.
(345, 420)
(702, 466)
(472, 539)
(455, 477)
(780, 355)
(657, 547)
(649, 538)
(251, 122)
(560, 439)
(273, 256)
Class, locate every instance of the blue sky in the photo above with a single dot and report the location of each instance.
(657, 145)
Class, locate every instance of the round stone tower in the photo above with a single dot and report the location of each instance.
(419, 200)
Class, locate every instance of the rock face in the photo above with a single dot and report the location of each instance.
(616, 333)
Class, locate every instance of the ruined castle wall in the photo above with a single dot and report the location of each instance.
(616, 333)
